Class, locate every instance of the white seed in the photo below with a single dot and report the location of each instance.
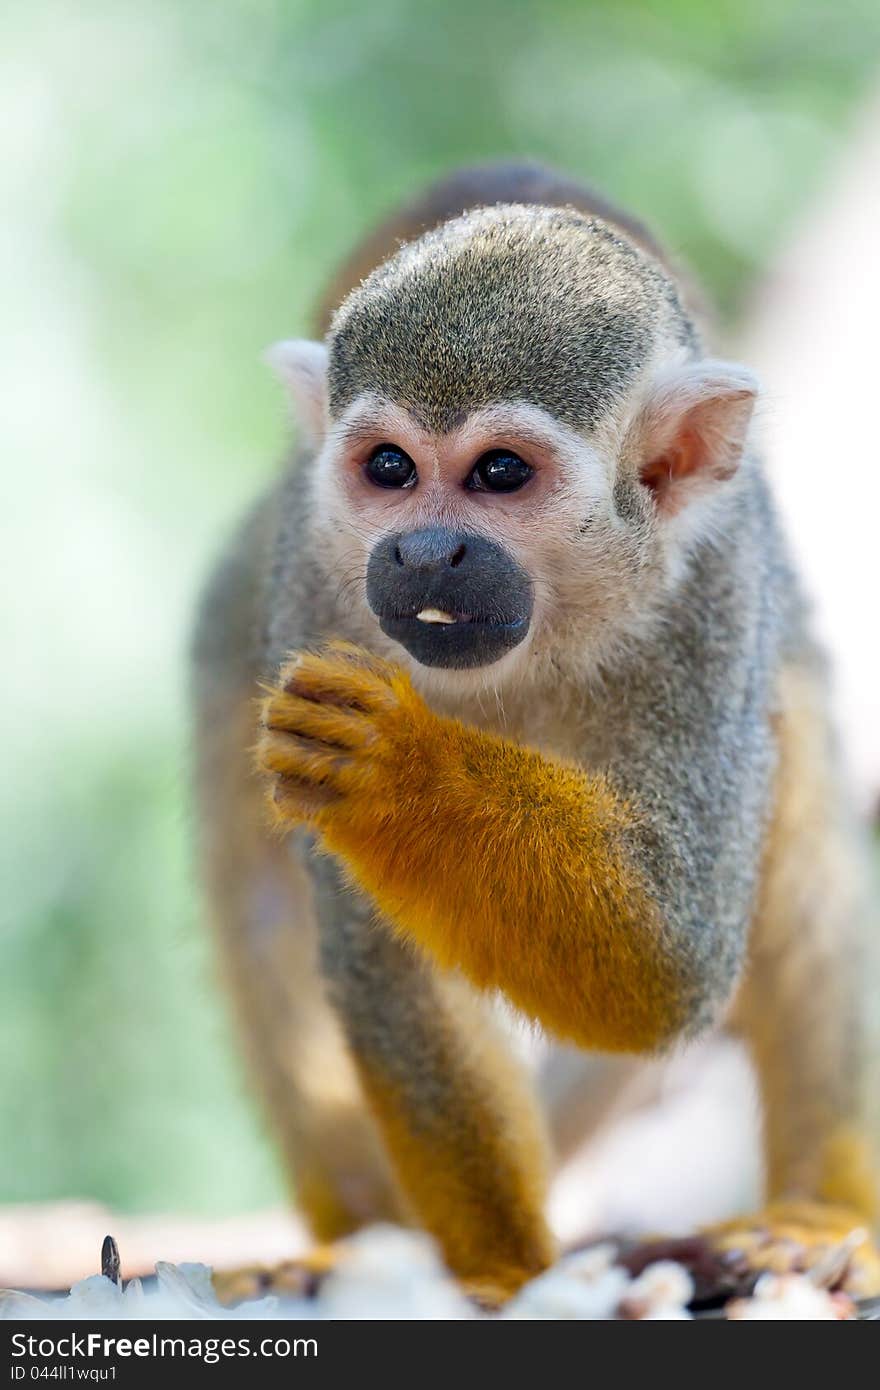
(434, 615)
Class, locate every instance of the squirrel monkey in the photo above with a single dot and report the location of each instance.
(541, 717)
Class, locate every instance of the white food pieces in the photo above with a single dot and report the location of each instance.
(434, 615)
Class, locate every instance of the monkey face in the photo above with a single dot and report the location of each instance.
(451, 598)
(462, 545)
(517, 448)
(510, 543)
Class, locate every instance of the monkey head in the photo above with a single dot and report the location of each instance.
(517, 442)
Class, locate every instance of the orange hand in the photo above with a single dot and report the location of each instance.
(344, 737)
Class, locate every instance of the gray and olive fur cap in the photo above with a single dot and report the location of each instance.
(507, 303)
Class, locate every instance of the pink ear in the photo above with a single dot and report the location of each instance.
(693, 428)
(302, 366)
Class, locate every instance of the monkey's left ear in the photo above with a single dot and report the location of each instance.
(302, 367)
(692, 429)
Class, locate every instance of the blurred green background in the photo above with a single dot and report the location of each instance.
(181, 180)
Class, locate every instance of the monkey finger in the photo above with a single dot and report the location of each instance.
(291, 755)
(359, 656)
(334, 725)
(294, 799)
(337, 680)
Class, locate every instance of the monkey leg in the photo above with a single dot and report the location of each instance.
(800, 1013)
(453, 1108)
(261, 907)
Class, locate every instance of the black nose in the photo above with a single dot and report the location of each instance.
(430, 551)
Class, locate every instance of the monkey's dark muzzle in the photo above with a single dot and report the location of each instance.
(451, 598)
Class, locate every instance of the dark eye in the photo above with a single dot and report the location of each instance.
(389, 466)
(499, 471)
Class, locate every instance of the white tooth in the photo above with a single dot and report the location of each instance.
(434, 615)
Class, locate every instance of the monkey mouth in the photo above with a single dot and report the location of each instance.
(453, 617)
(439, 637)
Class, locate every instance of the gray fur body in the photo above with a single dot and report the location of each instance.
(681, 716)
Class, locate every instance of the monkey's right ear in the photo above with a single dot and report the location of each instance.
(301, 366)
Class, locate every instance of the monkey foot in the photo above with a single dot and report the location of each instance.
(299, 1278)
(830, 1244)
(302, 1278)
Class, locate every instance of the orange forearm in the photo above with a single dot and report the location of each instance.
(512, 869)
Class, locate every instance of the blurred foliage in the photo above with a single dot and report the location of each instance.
(181, 180)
